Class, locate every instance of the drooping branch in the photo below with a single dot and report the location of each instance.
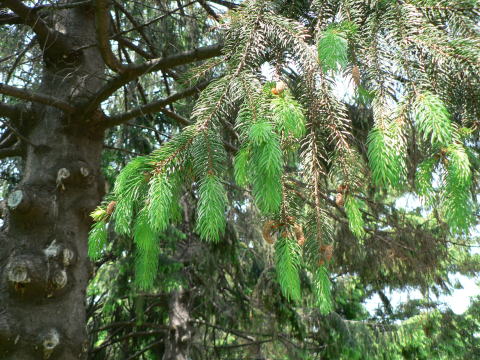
(54, 42)
(154, 106)
(102, 22)
(135, 71)
(36, 97)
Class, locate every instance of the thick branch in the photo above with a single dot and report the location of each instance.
(54, 42)
(102, 22)
(154, 106)
(10, 111)
(135, 71)
(36, 97)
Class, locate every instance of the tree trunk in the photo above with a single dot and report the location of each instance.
(179, 337)
(44, 267)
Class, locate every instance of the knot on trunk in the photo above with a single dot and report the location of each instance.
(28, 205)
(26, 275)
(60, 253)
(18, 200)
(18, 273)
(50, 341)
(75, 173)
(34, 277)
(60, 279)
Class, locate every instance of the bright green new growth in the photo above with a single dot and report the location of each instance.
(321, 287)
(266, 162)
(355, 218)
(241, 166)
(287, 260)
(211, 209)
(146, 240)
(433, 119)
(386, 155)
(161, 198)
(333, 46)
(97, 240)
(260, 159)
(130, 188)
(209, 160)
(424, 178)
(288, 116)
(457, 205)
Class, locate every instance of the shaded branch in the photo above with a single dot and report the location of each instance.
(10, 111)
(36, 97)
(178, 118)
(15, 150)
(134, 71)
(128, 44)
(54, 42)
(154, 106)
(102, 22)
(122, 150)
(139, 28)
(154, 20)
(186, 122)
(10, 19)
(209, 10)
(227, 4)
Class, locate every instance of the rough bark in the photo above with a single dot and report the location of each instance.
(43, 262)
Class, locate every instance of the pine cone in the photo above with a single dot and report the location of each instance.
(356, 75)
(339, 199)
(280, 86)
(297, 229)
(111, 207)
(267, 231)
(328, 252)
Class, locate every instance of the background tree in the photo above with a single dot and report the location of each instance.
(288, 161)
